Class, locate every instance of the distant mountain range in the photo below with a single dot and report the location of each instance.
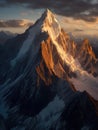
(5, 35)
(93, 40)
(47, 81)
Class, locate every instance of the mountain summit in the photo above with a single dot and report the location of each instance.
(50, 24)
(42, 77)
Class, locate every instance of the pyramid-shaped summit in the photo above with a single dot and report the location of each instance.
(46, 23)
(48, 11)
(50, 24)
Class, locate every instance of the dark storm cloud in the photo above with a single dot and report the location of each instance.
(70, 8)
(14, 23)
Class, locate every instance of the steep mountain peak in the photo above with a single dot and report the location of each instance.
(86, 43)
(50, 24)
(47, 12)
(47, 23)
(88, 49)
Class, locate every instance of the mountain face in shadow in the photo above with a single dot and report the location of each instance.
(42, 72)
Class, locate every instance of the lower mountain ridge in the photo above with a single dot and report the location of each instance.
(48, 82)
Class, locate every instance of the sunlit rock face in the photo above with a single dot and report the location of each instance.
(87, 58)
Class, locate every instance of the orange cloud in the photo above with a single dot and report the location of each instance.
(79, 26)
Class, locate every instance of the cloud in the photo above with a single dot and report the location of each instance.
(69, 8)
(15, 23)
(78, 25)
(24, 14)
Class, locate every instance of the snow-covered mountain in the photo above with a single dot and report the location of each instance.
(40, 73)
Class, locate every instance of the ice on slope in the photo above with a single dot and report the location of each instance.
(27, 44)
(50, 113)
(53, 107)
(86, 83)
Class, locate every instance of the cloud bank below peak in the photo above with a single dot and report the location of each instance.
(15, 23)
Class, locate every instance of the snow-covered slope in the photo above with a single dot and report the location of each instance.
(88, 83)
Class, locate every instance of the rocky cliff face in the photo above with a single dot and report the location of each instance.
(87, 58)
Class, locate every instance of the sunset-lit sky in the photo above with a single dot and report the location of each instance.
(76, 16)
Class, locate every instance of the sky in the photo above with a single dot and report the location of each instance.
(75, 16)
